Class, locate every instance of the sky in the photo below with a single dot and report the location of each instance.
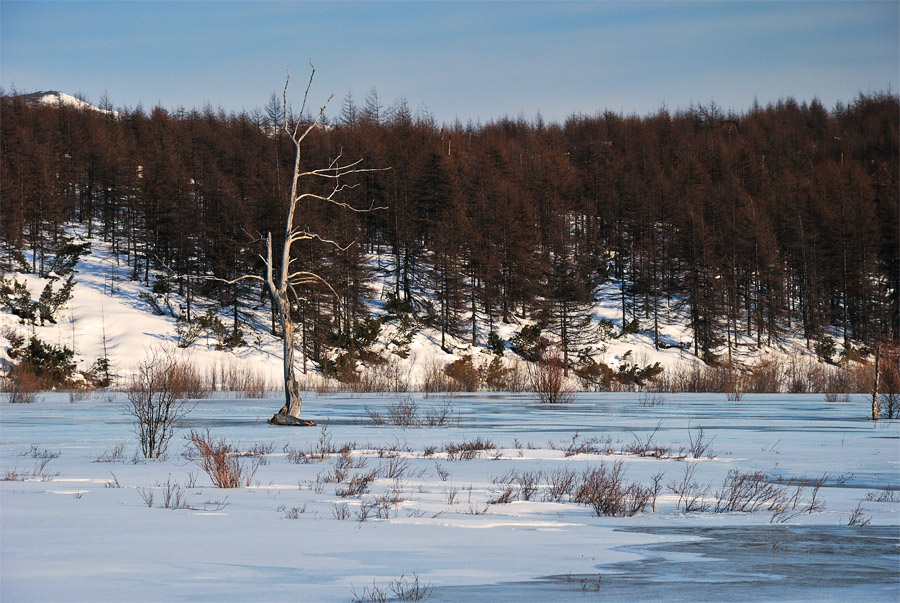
(466, 61)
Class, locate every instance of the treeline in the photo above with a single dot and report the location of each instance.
(783, 219)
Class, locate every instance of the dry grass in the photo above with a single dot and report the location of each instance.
(241, 378)
(796, 374)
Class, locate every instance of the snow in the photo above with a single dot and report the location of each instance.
(107, 308)
(80, 530)
(68, 535)
(54, 98)
(107, 317)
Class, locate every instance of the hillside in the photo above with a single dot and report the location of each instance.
(54, 98)
(112, 316)
(715, 245)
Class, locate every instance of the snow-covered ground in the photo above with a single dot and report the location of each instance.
(80, 529)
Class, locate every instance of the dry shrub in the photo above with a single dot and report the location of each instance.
(548, 380)
(493, 374)
(190, 381)
(528, 483)
(860, 375)
(804, 375)
(158, 397)
(441, 416)
(240, 378)
(316, 383)
(357, 485)
(606, 491)
(836, 381)
(468, 450)
(367, 383)
(22, 384)
(596, 376)
(692, 378)
(435, 379)
(745, 492)
(735, 386)
(889, 382)
(765, 377)
(224, 465)
(464, 373)
(560, 483)
(382, 378)
(691, 495)
(651, 399)
(857, 519)
(502, 376)
(837, 397)
(403, 413)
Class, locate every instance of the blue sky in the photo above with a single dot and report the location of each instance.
(465, 60)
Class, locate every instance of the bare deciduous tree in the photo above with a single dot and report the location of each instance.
(159, 397)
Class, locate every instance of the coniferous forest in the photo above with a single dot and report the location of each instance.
(779, 221)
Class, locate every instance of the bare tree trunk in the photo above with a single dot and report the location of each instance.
(290, 412)
(292, 400)
(875, 408)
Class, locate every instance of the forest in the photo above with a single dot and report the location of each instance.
(782, 220)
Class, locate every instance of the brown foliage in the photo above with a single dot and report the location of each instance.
(22, 384)
(224, 465)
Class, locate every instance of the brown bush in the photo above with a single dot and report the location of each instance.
(224, 465)
(464, 373)
(596, 376)
(889, 382)
(607, 492)
(765, 377)
(22, 384)
(499, 376)
(548, 380)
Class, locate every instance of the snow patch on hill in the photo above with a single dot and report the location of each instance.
(55, 98)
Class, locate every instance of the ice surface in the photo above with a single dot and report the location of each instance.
(67, 536)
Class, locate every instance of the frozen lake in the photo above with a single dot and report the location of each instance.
(81, 530)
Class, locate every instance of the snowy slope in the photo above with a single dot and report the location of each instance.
(55, 98)
(108, 318)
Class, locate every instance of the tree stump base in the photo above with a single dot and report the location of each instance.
(283, 419)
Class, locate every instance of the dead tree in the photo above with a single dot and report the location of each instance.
(281, 278)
